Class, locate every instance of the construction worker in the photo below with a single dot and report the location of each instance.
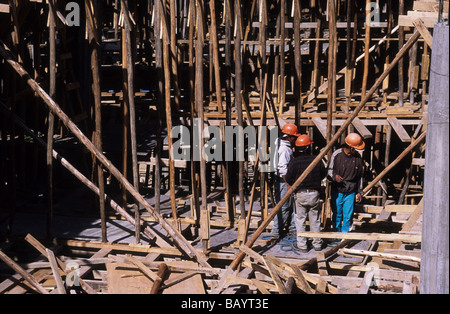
(307, 202)
(284, 221)
(345, 170)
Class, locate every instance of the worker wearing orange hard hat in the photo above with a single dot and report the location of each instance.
(307, 203)
(345, 170)
(284, 221)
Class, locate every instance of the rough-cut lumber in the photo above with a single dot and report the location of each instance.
(56, 272)
(380, 254)
(399, 129)
(418, 23)
(362, 236)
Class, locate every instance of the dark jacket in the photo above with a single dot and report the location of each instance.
(350, 168)
(296, 168)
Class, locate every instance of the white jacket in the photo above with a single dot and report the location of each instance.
(284, 156)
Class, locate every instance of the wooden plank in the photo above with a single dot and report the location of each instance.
(399, 129)
(4, 8)
(407, 21)
(400, 208)
(126, 279)
(429, 6)
(418, 162)
(359, 125)
(362, 236)
(142, 248)
(322, 264)
(380, 254)
(418, 23)
(56, 272)
(366, 283)
(413, 218)
(321, 126)
(301, 281)
(276, 278)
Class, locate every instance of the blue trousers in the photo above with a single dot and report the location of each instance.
(342, 205)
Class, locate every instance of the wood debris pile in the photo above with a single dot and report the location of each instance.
(362, 262)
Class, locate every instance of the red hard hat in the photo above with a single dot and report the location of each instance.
(303, 140)
(290, 129)
(355, 140)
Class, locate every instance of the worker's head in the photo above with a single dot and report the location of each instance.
(290, 132)
(354, 141)
(303, 143)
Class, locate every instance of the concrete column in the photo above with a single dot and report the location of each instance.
(434, 273)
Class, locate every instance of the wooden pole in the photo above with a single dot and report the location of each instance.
(215, 56)
(194, 183)
(91, 10)
(174, 54)
(176, 236)
(331, 101)
(317, 13)
(282, 90)
(126, 116)
(51, 117)
(228, 58)
(162, 270)
(159, 70)
(327, 148)
(348, 71)
(401, 40)
(132, 109)
(395, 162)
(366, 49)
(298, 62)
(166, 61)
(199, 93)
(238, 98)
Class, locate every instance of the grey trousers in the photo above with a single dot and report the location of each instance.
(308, 205)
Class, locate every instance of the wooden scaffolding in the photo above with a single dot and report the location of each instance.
(107, 81)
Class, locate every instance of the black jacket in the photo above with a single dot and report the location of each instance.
(350, 168)
(296, 168)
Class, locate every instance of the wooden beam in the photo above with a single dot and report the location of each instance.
(362, 236)
(321, 126)
(362, 129)
(4, 8)
(418, 23)
(56, 273)
(399, 129)
(346, 251)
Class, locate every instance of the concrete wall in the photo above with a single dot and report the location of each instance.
(435, 242)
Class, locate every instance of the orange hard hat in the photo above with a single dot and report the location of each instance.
(303, 140)
(290, 129)
(355, 140)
